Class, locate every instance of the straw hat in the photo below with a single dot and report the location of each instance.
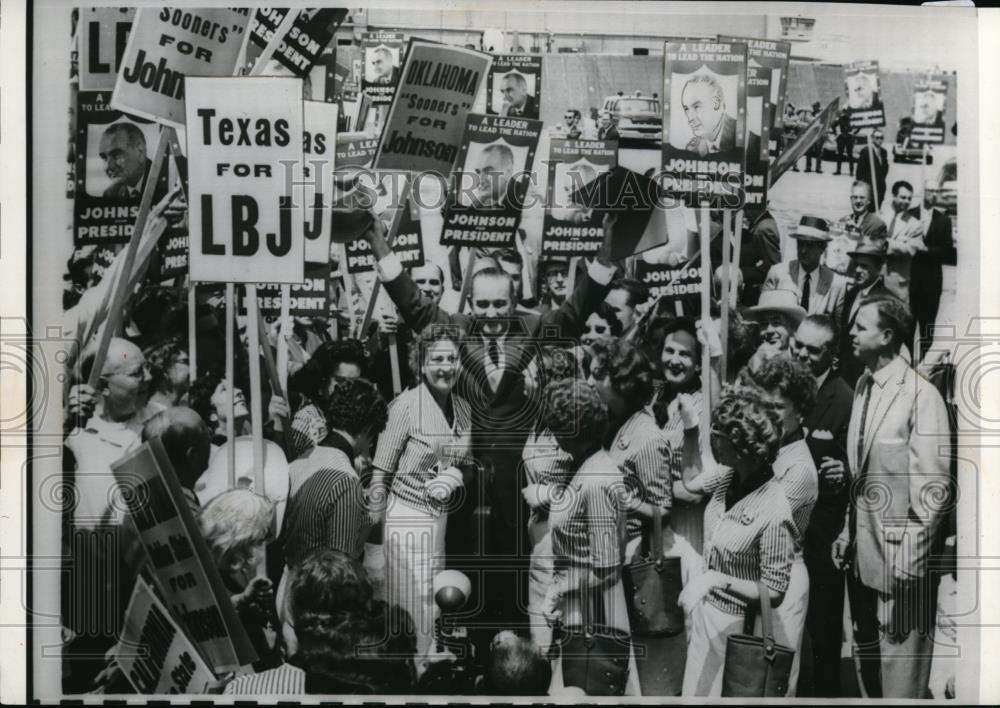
(812, 228)
(783, 301)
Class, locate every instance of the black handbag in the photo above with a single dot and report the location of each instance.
(595, 656)
(653, 586)
(757, 667)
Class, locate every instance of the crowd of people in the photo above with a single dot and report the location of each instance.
(544, 448)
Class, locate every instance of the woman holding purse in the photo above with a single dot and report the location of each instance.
(587, 521)
(415, 475)
(749, 531)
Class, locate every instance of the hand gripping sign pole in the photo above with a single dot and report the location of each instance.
(706, 324)
(727, 232)
(121, 291)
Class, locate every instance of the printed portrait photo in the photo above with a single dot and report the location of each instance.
(703, 112)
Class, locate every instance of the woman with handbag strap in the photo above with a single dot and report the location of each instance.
(749, 531)
(586, 601)
(623, 376)
(792, 388)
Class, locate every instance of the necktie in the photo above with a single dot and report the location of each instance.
(703, 147)
(493, 349)
(892, 225)
(806, 293)
(864, 418)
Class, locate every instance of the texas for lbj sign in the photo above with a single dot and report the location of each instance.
(244, 139)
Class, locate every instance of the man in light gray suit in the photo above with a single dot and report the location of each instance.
(898, 449)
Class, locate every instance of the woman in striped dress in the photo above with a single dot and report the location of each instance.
(587, 521)
(623, 376)
(792, 388)
(416, 472)
(547, 469)
(680, 361)
(749, 531)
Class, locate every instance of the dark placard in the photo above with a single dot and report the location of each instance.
(113, 162)
(928, 112)
(573, 229)
(490, 184)
(514, 86)
(864, 100)
(704, 123)
(174, 254)
(310, 298)
(406, 239)
(382, 54)
(679, 289)
(759, 112)
(304, 43)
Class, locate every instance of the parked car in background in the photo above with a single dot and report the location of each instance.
(943, 192)
(636, 116)
(904, 150)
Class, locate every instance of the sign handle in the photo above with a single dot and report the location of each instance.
(734, 286)
(706, 323)
(871, 166)
(467, 281)
(230, 383)
(284, 332)
(727, 230)
(192, 308)
(397, 385)
(278, 386)
(117, 304)
(256, 390)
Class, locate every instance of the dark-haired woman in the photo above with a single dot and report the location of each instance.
(749, 531)
(587, 522)
(416, 473)
(791, 388)
(623, 376)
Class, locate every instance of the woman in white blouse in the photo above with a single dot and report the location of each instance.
(416, 475)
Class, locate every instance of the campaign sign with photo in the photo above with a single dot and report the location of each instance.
(310, 298)
(382, 53)
(165, 46)
(759, 112)
(774, 55)
(303, 44)
(113, 160)
(571, 229)
(174, 254)
(514, 86)
(490, 184)
(390, 199)
(864, 101)
(245, 212)
(673, 286)
(103, 33)
(319, 144)
(181, 564)
(152, 651)
(928, 111)
(704, 123)
(426, 120)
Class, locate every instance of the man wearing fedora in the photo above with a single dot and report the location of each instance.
(867, 260)
(778, 314)
(818, 289)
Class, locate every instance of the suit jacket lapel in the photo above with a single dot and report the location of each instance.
(885, 401)
(824, 281)
(793, 273)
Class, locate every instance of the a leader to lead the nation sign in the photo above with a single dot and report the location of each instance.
(713, 130)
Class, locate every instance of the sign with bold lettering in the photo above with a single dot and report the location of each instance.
(571, 229)
(103, 33)
(704, 122)
(514, 86)
(303, 44)
(153, 652)
(168, 44)
(310, 298)
(426, 121)
(673, 286)
(382, 53)
(245, 138)
(319, 146)
(489, 187)
(113, 162)
(181, 564)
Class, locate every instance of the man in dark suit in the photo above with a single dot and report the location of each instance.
(384, 71)
(825, 427)
(862, 222)
(873, 167)
(517, 102)
(760, 249)
(704, 104)
(606, 128)
(867, 260)
(497, 347)
(123, 149)
(926, 267)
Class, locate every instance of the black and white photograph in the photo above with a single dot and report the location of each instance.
(564, 354)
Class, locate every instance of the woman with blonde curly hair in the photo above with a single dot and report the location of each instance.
(749, 531)
(587, 522)
(236, 525)
(418, 477)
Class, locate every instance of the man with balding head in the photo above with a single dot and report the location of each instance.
(187, 441)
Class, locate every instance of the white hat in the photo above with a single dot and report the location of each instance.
(783, 301)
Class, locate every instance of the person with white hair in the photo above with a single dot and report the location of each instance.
(383, 69)
(713, 130)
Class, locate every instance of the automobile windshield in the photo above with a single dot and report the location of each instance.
(949, 172)
(638, 105)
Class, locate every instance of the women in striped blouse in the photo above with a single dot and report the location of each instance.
(587, 520)
(623, 376)
(547, 468)
(792, 389)
(416, 472)
(680, 361)
(749, 531)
